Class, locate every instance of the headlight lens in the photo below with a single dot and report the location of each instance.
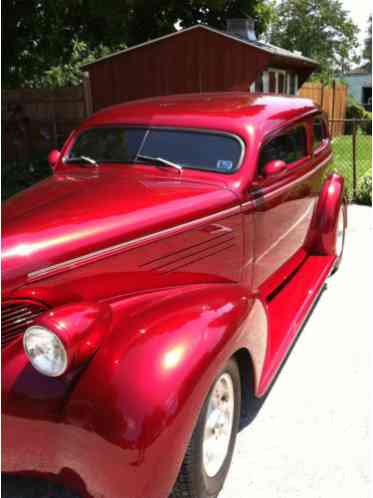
(45, 351)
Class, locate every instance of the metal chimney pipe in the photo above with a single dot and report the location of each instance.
(242, 27)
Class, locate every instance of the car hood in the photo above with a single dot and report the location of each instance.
(82, 211)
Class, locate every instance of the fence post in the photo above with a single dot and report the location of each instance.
(54, 125)
(333, 105)
(354, 134)
(87, 94)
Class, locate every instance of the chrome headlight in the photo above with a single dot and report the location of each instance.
(45, 351)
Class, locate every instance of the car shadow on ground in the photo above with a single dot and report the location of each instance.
(13, 486)
(255, 405)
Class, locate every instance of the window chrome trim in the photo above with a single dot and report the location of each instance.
(282, 188)
(211, 131)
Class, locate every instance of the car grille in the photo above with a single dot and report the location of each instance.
(16, 316)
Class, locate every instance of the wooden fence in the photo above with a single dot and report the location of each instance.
(34, 121)
(332, 99)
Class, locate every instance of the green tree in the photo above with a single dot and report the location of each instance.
(367, 54)
(319, 29)
(43, 38)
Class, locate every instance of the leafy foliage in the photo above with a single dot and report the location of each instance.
(320, 29)
(355, 110)
(364, 190)
(367, 54)
(19, 175)
(69, 73)
(46, 38)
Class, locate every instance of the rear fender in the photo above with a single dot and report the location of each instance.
(323, 228)
(144, 389)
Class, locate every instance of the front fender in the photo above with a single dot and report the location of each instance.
(144, 389)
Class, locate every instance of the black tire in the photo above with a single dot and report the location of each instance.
(193, 481)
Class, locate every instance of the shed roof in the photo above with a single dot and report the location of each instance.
(266, 47)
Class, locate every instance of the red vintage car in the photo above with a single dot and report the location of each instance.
(154, 284)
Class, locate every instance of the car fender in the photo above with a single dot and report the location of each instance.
(332, 197)
(144, 389)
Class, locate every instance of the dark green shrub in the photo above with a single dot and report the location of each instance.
(364, 190)
(356, 111)
(367, 127)
(19, 175)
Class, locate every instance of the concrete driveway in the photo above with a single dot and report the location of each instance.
(313, 435)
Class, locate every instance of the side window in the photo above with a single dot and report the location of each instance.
(289, 147)
(319, 133)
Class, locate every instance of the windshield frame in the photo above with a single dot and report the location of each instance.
(148, 128)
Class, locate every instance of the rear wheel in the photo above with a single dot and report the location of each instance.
(210, 450)
(339, 237)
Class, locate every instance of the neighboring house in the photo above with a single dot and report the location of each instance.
(197, 59)
(359, 83)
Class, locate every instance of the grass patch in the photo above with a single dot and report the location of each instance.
(342, 163)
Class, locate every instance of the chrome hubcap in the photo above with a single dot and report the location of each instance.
(219, 423)
(339, 234)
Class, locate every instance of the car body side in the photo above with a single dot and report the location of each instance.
(202, 294)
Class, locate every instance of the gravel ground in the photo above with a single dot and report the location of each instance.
(313, 435)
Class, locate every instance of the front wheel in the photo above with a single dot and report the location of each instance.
(210, 450)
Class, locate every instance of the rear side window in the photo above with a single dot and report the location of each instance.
(319, 133)
(289, 147)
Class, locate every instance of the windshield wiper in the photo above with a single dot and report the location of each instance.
(161, 161)
(87, 159)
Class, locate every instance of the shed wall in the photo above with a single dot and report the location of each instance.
(194, 61)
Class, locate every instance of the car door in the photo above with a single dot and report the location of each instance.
(284, 201)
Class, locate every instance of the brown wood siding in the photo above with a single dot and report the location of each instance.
(196, 60)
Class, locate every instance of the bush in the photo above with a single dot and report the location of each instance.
(19, 175)
(354, 110)
(367, 127)
(364, 190)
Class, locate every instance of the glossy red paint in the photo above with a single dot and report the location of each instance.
(80, 326)
(53, 157)
(153, 280)
(274, 168)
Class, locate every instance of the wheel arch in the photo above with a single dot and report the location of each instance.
(144, 388)
(322, 231)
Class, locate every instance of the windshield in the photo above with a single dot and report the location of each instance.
(190, 149)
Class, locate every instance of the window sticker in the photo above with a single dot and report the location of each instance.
(224, 165)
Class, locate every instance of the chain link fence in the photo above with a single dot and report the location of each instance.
(352, 146)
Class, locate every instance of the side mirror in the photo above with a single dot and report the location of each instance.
(53, 158)
(274, 168)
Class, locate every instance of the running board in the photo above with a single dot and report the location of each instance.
(288, 308)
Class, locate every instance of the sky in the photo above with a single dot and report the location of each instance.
(359, 10)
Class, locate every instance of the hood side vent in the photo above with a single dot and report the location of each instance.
(16, 316)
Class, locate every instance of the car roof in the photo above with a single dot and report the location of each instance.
(227, 111)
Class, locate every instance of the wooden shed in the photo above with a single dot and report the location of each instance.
(197, 59)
